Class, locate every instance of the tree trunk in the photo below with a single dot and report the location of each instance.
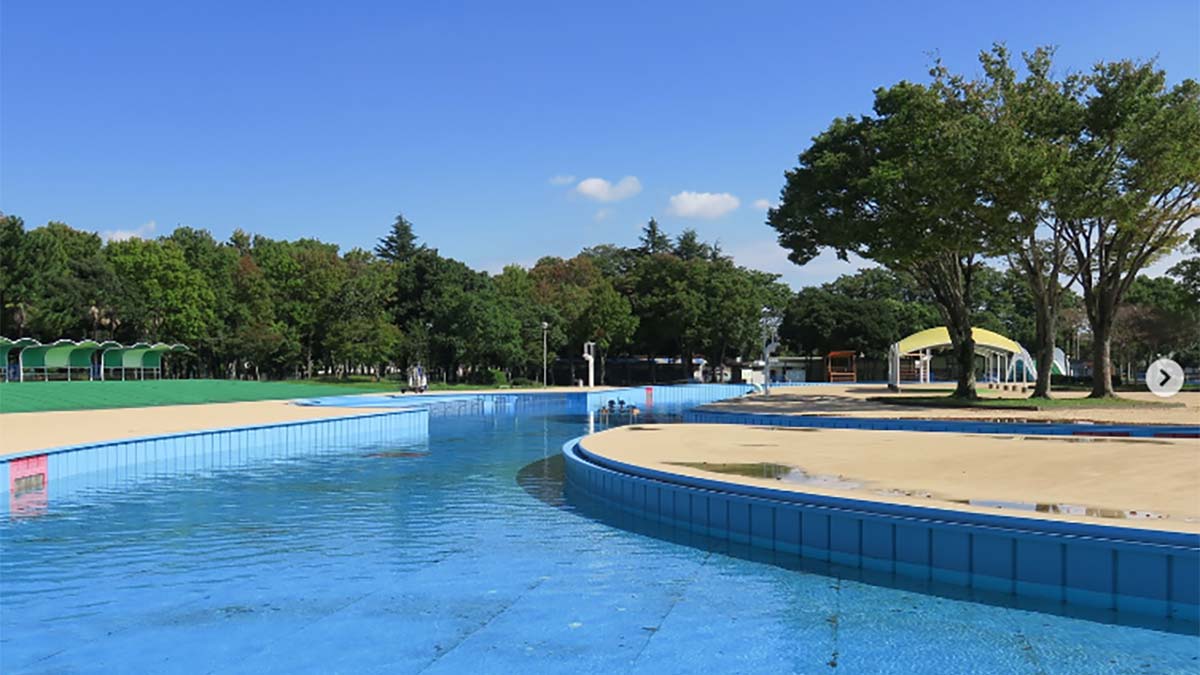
(1102, 360)
(958, 325)
(965, 356)
(1045, 320)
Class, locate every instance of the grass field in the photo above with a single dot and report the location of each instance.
(42, 396)
(39, 396)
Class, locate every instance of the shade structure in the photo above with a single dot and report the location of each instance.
(140, 357)
(7, 347)
(71, 356)
(1006, 360)
(939, 338)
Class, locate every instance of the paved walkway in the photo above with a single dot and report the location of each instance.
(1149, 483)
(21, 432)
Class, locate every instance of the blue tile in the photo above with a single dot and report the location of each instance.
(762, 525)
(815, 531)
(739, 520)
(844, 534)
(912, 544)
(877, 539)
(1039, 569)
(1142, 575)
(1185, 579)
(787, 529)
(992, 563)
(1089, 576)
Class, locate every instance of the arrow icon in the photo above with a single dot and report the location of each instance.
(1164, 378)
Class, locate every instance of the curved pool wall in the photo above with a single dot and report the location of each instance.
(1126, 570)
(35, 479)
(569, 402)
(962, 426)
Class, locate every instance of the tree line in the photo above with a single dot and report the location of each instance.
(259, 307)
(254, 307)
(1080, 180)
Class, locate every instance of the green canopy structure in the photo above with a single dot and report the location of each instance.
(140, 358)
(8, 346)
(45, 357)
(68, 357)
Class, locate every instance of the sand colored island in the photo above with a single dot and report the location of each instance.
(20, 432)
(854, 400)
(1130, 482)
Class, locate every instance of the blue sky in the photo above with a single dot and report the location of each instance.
(323, 120)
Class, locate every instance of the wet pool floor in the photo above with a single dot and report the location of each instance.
(461, 555)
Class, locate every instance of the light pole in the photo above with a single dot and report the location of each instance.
(545, 363)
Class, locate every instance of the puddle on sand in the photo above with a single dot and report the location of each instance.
(1065, 509)
(796, 476)
(397, 453)
(770, 471)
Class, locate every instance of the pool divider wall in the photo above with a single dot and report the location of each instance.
(570, 401)
(1127, 570)
(965, 426)
(34, 479)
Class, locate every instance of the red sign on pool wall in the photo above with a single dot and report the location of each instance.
(29, 480)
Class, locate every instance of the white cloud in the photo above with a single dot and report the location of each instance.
(602, 215)
(703, 204)
(604, 191)
(767, 255)
(142, 232)
(562, 180)
(763, 204)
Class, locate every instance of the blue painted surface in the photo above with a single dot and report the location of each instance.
(1119, 568)
(941, 425)
(110, 465)
(458, 551)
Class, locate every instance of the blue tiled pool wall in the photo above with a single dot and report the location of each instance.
(1126, 570)
(114, 464)
(570, 402)
(946, 425)
(74, 469)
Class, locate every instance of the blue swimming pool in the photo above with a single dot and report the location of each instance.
(458, 552)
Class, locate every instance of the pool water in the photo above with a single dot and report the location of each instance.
(462, 554)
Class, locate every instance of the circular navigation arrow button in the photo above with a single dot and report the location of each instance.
(1164, 377)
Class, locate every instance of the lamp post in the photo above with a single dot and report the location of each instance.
(545, 362)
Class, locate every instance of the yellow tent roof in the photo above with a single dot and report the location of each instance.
(934, 338)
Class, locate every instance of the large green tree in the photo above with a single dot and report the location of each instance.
(901, 188)
(1134, 183)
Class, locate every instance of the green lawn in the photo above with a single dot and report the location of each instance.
(39, 396)
(1022, 403)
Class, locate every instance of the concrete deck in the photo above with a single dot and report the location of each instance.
(21, 432)
(1143, 483)
(852, 401)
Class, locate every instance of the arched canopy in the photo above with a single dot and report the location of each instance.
(7, 346)
(126, 357)
(81, 355)
(152, 358)
(939, 338)
(54, 355)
